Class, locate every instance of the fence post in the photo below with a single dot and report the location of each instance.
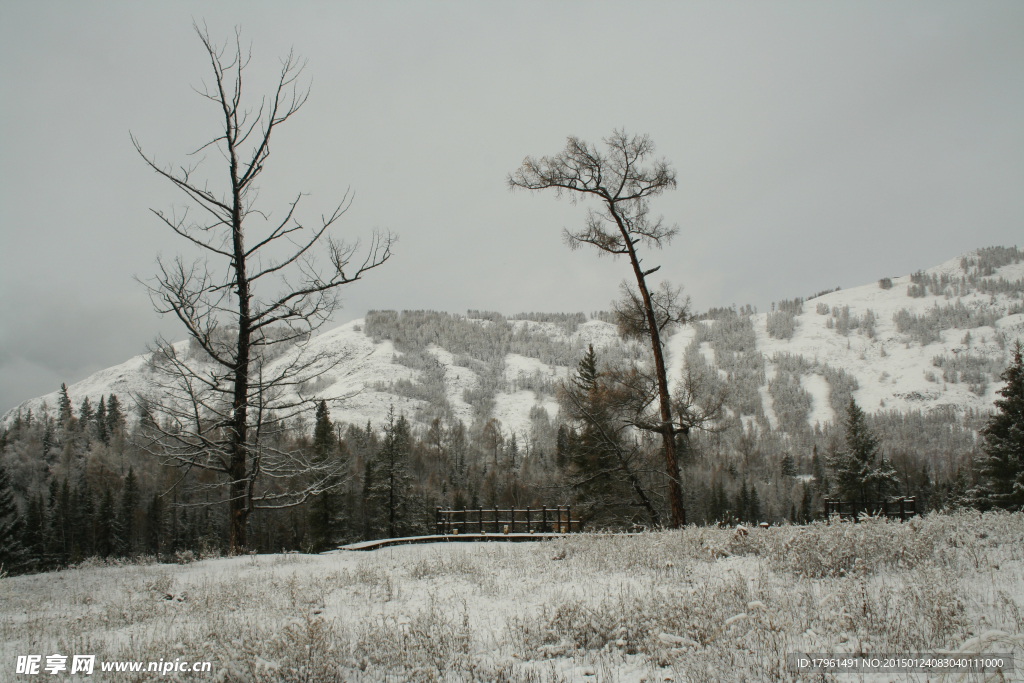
(437, 521)
(529, 527)
(544, 519)
(497, 529)
(480, 519)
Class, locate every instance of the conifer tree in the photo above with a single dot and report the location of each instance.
(58, 535)
(106, 526)
(806, 513)
(84, 519)
(12, 552)
(623, 186)
(604, 463)
(85, 413)
(562, 447)
(718, 507)
(754, 506)
(391, 487)
(787, 466)
(155, 525)
(64, 403)
(860, 472)
(743, 503)
(34, 539)
(101, 422)
(115, 418)
(49, 438)
(322, 520)
(1002, 465)
(126, 513)
(369, 507)
(817, 472)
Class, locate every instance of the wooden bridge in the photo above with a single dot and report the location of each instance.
(488, 524)
(898, 508)
(481, 521)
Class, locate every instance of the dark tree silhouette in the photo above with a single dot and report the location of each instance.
(860, 472)
(1002, 465)
(604, 463)
(256, 288)
(12, 553)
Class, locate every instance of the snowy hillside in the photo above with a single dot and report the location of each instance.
(922, 341)
(952, 356)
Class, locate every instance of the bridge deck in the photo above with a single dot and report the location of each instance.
(449, 538)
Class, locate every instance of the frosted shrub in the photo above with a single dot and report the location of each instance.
(833, 548)
(633, 621)
(425, 645)
(780, 324)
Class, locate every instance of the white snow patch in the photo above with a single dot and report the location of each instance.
(769, 406)
(513, 411)
(821, 410)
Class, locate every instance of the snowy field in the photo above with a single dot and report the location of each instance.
(703, 604)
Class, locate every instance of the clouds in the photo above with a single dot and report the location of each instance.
(816, 145)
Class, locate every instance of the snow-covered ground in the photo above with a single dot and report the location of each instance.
(706, 604)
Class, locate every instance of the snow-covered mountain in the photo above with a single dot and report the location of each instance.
(935, 338)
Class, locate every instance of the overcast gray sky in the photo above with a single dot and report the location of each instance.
(816, 143)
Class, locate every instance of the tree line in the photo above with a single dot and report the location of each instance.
(79, 484)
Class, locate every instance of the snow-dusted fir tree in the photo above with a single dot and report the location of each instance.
(12, 553)
(1002, 464)
(604, 459)
(860, 473)
(326, 507)
(127, 529)
(389, 485)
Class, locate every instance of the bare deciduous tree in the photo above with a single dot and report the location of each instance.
(623, 186)
(255, 290)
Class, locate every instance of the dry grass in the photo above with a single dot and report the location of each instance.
(698, 604)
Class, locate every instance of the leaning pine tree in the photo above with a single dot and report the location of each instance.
(622, 187)
(1002, 465)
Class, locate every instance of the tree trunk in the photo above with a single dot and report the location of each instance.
(675, 489)
(238, 503)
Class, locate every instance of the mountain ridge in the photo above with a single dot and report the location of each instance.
(935, 339)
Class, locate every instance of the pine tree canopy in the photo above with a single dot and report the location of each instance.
(11, 552)
(324, 441)
(1002, 465)
(64, 404)
(860, 474)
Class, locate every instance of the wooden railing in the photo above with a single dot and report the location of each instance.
(508, 521)
(898, 508)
